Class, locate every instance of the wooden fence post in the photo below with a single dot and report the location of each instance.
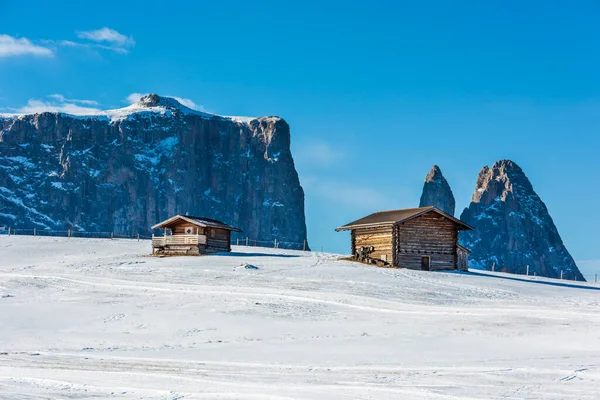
(9, 231)
(237, 241)
(275, 244)
(34, 232)
(596, 278)
(69, 233)
(561, 274)
(138, 237)
(304, 248)
(528, 270)
(246, 241)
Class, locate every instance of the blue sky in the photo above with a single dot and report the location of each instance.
(376, 92)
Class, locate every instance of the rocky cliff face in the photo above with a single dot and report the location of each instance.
(437, 192)
(513, 228)
(124, 170)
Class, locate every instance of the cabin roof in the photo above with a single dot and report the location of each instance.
(463, 248)
(393, 217)
(198, 221)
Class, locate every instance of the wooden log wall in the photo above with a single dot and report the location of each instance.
(218, 240)
(380, 238)
(428, 235)
(179, 229)
(463, 260)
(437, 261)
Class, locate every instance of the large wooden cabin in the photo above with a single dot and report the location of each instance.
(418, 238)
(185, 234)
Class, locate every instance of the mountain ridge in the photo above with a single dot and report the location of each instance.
(147, 103)
(149, 162)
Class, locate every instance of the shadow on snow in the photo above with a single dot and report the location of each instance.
(235, 254)
(514, 278)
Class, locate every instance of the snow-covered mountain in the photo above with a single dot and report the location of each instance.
(123, 170)
(513, 227)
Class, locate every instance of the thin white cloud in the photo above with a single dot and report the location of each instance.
(101, 39)
(106, 35)
(72, 44)
(58, 97)
(346, 194)
(62, 99)
(319, 154)
(35, 106)
(11, 47)
(120, 50)
(134, 97)
(188, 103)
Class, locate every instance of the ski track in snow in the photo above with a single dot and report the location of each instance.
(100, 319)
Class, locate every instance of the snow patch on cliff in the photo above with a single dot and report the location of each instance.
(146, 106)
(152, 155)
(241, 120)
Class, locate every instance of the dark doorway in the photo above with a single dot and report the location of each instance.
(425, 263)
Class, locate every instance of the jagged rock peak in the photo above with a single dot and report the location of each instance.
(507, 180)
(435, 175)
(437, 192)
(513, 227)
(154, 100)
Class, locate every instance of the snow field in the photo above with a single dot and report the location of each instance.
(101, 319)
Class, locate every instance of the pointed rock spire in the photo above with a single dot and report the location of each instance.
(437, 192)
(513, 228)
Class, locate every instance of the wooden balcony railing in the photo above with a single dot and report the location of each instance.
(162, 241)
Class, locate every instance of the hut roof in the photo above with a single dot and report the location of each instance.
(463, 248)
(199, 221)
(393, 217)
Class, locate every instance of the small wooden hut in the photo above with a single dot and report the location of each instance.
(418, 238)
(463, 257)
(185, 234)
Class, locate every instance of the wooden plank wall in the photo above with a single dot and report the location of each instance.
(428, 235)
(218, 240)
(463, 260)
(179, 229)
(380, 238)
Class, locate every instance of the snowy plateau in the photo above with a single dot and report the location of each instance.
(101, 319)
(125, 170)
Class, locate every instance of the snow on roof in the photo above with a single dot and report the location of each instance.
(200, 221)
(152, 104)
(395, 216)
